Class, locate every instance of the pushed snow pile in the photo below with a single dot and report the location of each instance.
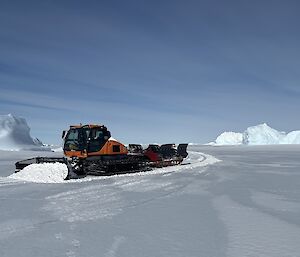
(261, 134)
(43, 173)
(15, 135)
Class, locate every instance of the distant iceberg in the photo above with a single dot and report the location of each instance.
(230, 138)
(15, 135)
(261, 134)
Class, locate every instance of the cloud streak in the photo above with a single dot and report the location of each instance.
(188, 69)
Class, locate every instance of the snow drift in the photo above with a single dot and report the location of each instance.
(261, 134)
(15, 135)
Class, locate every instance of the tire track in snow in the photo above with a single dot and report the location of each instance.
(103, 201)
(118, 240)
(5, 181)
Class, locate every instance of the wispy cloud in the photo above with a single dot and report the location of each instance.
(193, 66)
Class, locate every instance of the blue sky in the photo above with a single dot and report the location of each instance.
(152, 71)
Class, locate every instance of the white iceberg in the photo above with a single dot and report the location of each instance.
(229, 138)
(261, 134)
(15, 135)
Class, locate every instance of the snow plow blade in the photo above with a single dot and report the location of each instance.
(37, 160)
(22, 164)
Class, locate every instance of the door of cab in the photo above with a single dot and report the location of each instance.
(97, 139)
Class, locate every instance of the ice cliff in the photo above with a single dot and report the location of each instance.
(15, 135)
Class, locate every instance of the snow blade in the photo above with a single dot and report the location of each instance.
(36, 160)
(71, 173)
(22, 164)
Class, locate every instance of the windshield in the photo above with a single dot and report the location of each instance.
(91, 139)
(74, 140)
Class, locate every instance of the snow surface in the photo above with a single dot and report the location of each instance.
(246, 205)
(57, 149)
(261, 134)
(15, 135)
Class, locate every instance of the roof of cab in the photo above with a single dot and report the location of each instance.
(87, 126)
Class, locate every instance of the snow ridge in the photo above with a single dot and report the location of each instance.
(261, 134)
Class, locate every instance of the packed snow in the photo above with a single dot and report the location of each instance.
(261, 134)
(246, 205)
(15, 135)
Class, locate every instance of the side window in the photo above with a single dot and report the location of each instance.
(96, 141)
(99, 134)
(96, 134)
(116, 149)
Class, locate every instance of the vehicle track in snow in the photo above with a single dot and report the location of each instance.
(92, 200)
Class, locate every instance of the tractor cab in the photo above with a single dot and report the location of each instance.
(85, 139)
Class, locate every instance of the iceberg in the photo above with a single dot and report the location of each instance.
(15, 135)
(261, 134)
